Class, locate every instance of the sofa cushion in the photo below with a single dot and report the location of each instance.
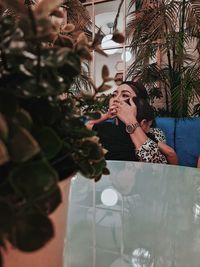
(168, 127)
(184, 136)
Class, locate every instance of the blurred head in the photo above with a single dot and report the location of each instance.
(138, 88)
(145, 113)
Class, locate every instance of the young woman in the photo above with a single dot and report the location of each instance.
(124, 129)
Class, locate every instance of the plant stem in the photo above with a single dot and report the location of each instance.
(117, 16)
(170, 73)
(182, 31)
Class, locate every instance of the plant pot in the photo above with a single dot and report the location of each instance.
(51, 255)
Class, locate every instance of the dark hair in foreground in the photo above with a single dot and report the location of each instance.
(138, 88)
(144, 110)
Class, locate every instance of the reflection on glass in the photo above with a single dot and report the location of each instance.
(196, 211)
(156, 222)
(125, 261)
(109, 197)
(141, 258)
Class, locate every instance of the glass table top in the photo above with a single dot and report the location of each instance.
(141, 215)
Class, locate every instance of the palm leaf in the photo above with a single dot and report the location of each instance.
(172, 27)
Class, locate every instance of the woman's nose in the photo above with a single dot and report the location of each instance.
(116, 98)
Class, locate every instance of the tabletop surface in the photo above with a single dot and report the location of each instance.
(141, 215)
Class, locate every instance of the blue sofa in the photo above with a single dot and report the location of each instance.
(184, 136)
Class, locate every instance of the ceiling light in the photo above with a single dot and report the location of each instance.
(107, 42)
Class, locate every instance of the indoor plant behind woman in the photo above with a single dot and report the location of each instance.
(42, 138)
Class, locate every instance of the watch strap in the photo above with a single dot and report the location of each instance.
(130, 128)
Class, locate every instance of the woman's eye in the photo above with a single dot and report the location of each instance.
(125, 96)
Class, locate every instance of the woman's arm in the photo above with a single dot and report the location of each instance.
(146, 149)
(91, 123)
(169, 153)
(158, 134)
(108, 115)
(150, 152)
(198, 162)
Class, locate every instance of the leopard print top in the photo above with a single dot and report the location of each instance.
(158, 134)
(149, 151)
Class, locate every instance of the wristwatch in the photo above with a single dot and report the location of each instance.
(130, 128)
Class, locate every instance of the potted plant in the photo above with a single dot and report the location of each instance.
(43, 139)
(167, 33)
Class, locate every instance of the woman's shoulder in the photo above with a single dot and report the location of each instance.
(158, 134)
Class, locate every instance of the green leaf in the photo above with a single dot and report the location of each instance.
(64, 41)
(24, 119)
(106, 171)
(22, 146)
(84, 52)
(3, 128)
(15, 5)
(57, 13)
(104, 87)
(6, 98)
(92, 150)
(49, 142)
(118, 37)
(1, 259)
(99, 167)
(44, 7)
(4, 157)
(68, 27)
(31, 231)
(50, 201)
(100, 51)
(33, 180)
(7, 216)
(105, 72)
(85, 168)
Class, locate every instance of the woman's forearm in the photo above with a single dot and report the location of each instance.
(146, 149)
(198, 162)
(169, 153)
(91, 123)
(138, 137)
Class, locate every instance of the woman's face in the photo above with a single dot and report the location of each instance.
(122, 93)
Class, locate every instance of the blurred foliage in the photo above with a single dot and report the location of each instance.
(43, 138)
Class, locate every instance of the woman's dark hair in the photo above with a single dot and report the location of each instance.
(144, 110)
(138, 88)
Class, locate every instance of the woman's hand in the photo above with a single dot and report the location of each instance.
(112, 111)
(126, 112)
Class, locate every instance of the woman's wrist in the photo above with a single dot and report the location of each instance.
(131, 121)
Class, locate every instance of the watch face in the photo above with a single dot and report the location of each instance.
(129, 128)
